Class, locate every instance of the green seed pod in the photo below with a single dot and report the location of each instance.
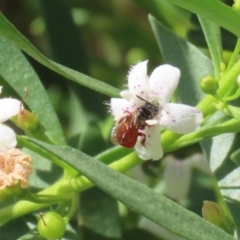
(51, 226)
(209, 85)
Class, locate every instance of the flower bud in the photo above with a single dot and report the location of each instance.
(222, 66)
(51, 226)
(236, 6)
(238, 81)
(209, 85)
(214, 214)
(28, 121)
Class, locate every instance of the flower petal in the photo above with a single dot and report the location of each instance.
(177, 178)
(0, 89)
(180, 118)
(138, 80)
(127, 95)
(7, 138)
(119, 106)
(163, 82)
(153, 148)
(9, 107)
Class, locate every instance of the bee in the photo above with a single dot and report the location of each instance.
(126, 131)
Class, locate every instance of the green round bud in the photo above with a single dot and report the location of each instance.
(236, 6)
(51, 226)
(222, 66)
(209, 85)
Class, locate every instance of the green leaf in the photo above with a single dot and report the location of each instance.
(214, 11)
(236, 157)
(234, 207)
(232, 111)
(213, 37)
(32, 235)
(68, 50)
(138, 197)
(216, 149)
(220, 151)
(10, 32)
(19, 226)
(99, 212)
(192, 63)
(45, 172)
(18, 73)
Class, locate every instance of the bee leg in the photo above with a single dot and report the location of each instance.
(143, 138)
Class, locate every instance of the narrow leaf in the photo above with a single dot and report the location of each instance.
(213, 37)
(18, 73)
(10, 32)
(234, 207)
(214, 11)
(138, 197)
(99, 212)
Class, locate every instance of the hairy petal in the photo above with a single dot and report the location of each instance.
(163, 82)
(153, 148)
(180, 118)
(9, 107)
(138, 80)
(118, 106)
(8, 138)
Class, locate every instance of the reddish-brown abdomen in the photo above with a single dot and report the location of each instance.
(125, 132)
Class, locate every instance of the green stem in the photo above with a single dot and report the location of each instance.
(43, 198)
(63, 187)
(233, 97)
(73, 208)
(23, 207)
(234, 56)
(197, 136)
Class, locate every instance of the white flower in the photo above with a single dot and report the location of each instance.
(15, 166)
(9, 107)
(156, 89)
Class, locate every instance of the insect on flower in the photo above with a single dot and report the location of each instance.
(126, 131)
(145, 108)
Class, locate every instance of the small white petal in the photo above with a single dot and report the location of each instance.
(126, 95)
(138, 80)
(0, 89)
(9, 107)
(153, 148)
(7, 138)
(180, 118)
(163, 82)
(119, 106)
(151, 122)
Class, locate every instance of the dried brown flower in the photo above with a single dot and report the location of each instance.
(15, 167)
